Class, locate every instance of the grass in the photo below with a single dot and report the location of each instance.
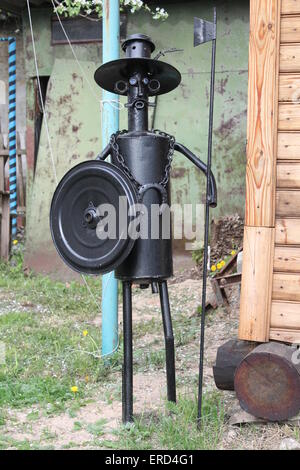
(46, 351)
(42, 324)
(44, 361)
(176, 429)
(97, 428)
(58, 298)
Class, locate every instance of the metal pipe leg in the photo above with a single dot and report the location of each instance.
(127, 385)
(154, 287)
(169, 341)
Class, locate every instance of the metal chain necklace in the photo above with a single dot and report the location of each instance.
(161, 186)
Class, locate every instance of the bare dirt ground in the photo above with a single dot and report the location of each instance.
(78, 429)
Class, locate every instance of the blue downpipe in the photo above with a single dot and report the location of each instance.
(110, 124)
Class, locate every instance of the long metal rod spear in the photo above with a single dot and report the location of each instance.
(206, 32)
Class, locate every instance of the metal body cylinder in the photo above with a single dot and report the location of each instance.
(146, 155)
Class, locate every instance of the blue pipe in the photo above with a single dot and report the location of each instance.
(12, 133)
(110, 124)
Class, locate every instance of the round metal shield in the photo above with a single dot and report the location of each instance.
(112, 72)
(89, 217)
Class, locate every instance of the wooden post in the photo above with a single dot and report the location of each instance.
(5, 228)
(267, 382)
(229, 357)
(256, 293)
(4, 205)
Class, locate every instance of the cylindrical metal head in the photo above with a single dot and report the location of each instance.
(138, 46)
(114, 76)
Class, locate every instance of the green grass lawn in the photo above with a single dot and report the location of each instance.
(52, 344)
(175, 428)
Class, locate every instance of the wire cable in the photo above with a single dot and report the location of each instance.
(40, 93)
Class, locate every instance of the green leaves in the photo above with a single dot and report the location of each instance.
(88, 7)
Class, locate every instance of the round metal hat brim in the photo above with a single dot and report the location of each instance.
(97, 183)
(110, 73)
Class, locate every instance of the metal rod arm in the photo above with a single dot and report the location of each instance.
(213, 193)
(105, 153)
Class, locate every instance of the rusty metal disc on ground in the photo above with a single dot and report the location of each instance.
(78, 217)
(267, 383)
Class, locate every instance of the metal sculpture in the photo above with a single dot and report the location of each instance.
(139, 174)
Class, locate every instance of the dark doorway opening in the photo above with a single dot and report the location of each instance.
(39, 114)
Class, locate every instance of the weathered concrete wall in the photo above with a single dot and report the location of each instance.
(183, 113)
(74, 137)
(74, 121)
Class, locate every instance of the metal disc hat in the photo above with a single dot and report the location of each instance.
(138, 48)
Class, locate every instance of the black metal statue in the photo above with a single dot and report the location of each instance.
(139, 174)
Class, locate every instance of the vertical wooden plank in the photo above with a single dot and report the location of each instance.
(256, 293)
(262, 112)
(20, 178)
(259, 237)
(5, 228)
(2, 165)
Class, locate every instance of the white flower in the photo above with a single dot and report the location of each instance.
(72, 7)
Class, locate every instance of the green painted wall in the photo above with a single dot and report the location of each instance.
(184, 112)
(74, 137)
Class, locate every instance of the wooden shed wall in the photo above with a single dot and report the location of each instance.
(270, 300)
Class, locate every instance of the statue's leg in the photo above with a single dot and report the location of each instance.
(154, 287)
(127, 395)
(169, 341)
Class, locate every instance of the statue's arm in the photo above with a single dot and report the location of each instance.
(213, 192)
(105, 153)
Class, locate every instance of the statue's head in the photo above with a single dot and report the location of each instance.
(138, 46)
(138, 75)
